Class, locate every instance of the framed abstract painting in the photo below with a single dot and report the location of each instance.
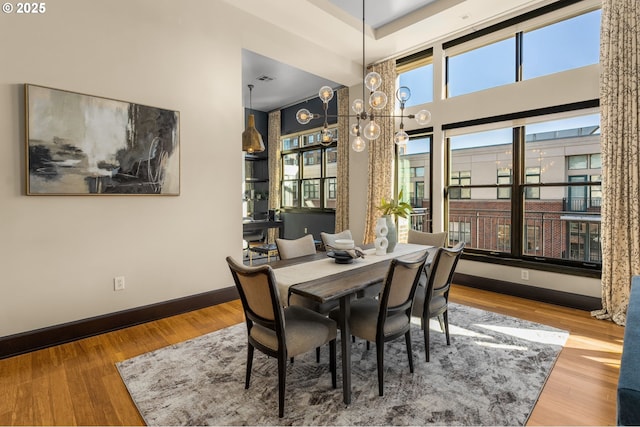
(87, 145)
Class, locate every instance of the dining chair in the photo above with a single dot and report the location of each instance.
(276, 331)
(292, 248)
(432, 300)
(437, 240)
(329, 240)
(389, 317)
(432, 239)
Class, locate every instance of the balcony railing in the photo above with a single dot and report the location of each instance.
(566, 235)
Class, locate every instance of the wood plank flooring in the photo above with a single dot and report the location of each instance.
(77, 383)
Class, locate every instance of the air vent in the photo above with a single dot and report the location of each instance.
(265, 78)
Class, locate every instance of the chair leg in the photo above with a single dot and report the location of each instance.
(407, 339)
(332, 362)
(317, 354)
(445, 315)
(380, 356)
(282, 375)
(249, 364)
(426, 337)
(441, 323)
(368, 345)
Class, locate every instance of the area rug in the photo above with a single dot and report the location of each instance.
(491, 374)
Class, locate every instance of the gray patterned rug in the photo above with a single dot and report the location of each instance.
(492, 374)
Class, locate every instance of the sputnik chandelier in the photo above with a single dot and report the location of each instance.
(377, 101)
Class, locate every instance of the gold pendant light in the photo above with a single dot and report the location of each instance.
(251, 138)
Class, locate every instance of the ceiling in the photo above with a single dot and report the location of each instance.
(392, 27)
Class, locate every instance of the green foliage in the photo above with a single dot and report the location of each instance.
(397, 208)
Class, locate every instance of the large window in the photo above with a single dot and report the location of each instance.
(414, 178)
(557, 193)
(418, 77)
(309, 171)
(539, 51)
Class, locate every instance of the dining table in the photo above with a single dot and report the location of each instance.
(322, 279)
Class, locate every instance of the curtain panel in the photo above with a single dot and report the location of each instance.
(342, 184)
(620, 145)
(274, 167)
(381, 152)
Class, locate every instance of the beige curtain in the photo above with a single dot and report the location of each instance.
(274, 166)
(620, 130)
(342, 203)
(381, 152)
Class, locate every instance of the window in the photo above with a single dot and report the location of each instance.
(414, 178)
(459, 231)
(555, 191)
(457, 179)
(417, 75)
(481, 68)
(556, 47)
(504, 178)
(309, 171)
(567, 44)
(417, 172)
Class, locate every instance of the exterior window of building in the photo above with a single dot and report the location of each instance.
(578, 162)
(504, 237)
(504, 178)
(417, 172)
(595, 161)
(460, 178)
(309, 171)
(459, 232)
(532, 176)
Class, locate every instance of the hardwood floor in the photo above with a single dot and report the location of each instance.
(77, 383)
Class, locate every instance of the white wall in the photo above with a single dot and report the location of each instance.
(59, 254)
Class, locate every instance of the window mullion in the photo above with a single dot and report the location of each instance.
(517, 191)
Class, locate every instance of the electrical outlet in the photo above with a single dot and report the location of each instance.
(305, 230)
(118, 283)
(524, 274)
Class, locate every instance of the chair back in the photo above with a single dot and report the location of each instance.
(431, 239)
(400, 288)
(259, 295)
(442, 270)
(296, 247)
(329, 240)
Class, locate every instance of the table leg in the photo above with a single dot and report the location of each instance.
(345, 337)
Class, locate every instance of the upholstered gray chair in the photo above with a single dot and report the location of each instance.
(437, 240)
(389, 317)
(329, 240)
(292, 248)
(433, 299)
(300, 247)
(432, 239)
(276, 331)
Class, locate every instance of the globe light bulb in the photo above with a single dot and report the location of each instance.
(358, 144)
(303, 116)
(373, 81)
(354, 129)
(372, 130)
(357, 106)
(378, 100)
(326, 137)
(423, 117)
(403, 94)
(325, 94)
(401, 138)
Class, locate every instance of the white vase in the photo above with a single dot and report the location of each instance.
(381, 227)
(381, 243)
